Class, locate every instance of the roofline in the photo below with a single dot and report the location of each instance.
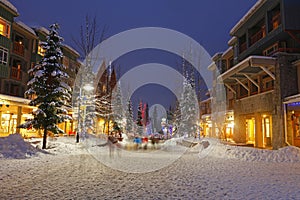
(20, 24)
(42, 30)
(71, 49)
(249, 14)
(12, 9)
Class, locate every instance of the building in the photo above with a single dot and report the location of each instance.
(260, 74)
(20, 50)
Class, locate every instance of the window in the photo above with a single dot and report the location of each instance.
(3, 56)
(268, 83)
(4, 28)
(41, 50)
(66, 62)
(14, 89)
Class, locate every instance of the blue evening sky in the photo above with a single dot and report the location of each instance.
(206, 21)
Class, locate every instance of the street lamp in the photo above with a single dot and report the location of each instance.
(82, 100)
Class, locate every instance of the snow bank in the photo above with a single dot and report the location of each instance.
(14, 146)
(215, 149)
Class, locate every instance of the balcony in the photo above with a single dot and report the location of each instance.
(256, 37)
(18, 48)
(16, 73)
(243, 47)
(275, 22)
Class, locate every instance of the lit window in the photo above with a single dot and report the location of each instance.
(41, 50)
(4, 28)
(3, 55)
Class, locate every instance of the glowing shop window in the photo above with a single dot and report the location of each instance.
(4, 28)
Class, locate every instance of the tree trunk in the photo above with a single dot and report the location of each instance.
(44, 139)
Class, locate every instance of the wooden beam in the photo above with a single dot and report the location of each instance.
(230, 88)
(268, 72)
(240, 82)
(253, 81)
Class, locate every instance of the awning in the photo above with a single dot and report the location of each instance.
(248, 69)
(292, 99)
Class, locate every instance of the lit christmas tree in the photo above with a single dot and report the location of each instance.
(188, 110)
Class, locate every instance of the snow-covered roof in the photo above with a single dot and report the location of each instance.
(216, 56)
(11, 7)
(14, 99)
(232, 41)
(227, 51)
(25, 27)
(71, 49)
(292, 99)
(254, 8)
(42, 29)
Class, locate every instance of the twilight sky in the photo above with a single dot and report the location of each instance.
(206, 21)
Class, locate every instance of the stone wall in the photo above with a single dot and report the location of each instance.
(253, 106)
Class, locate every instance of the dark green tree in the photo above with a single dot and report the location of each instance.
(47, 88)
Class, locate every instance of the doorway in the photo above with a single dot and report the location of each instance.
(250, 131)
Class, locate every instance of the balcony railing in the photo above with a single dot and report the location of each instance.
(18, 48)
(256, 37)
(276, 21)
(16, 73)
(243, 47)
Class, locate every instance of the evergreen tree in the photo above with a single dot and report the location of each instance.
(129, 117)
(117, 106)
(188, 110)
(145, 114)
(139, 120)
(48, 89)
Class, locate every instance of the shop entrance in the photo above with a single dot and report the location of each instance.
(266, 129)
(250, 131)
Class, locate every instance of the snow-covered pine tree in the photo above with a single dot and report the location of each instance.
(139, 120)
(117, 105)
(48, 89)
(145, 114)
(188, 119)
(129, 117)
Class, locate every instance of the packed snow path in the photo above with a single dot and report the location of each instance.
(80, 176)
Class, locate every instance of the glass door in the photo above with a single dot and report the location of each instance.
(250, 131)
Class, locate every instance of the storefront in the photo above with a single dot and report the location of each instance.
(15, 111)
(206, 125)
(292, 120)
(229, 125)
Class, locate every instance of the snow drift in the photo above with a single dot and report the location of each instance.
(14, 146)
(212, 147)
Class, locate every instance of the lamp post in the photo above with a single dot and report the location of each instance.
(82, 103)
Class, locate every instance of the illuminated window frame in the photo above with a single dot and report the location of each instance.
(4, 28)
(41, 50)
(3, 55)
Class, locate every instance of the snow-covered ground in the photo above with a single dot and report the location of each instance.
(209, 170)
